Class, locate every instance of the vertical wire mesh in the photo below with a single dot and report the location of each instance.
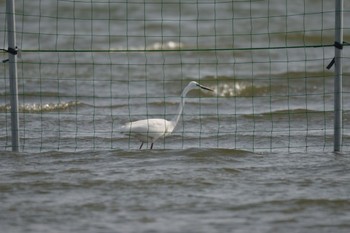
(88, 67)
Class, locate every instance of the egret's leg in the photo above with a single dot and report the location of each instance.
(151, 146)
(141, 145)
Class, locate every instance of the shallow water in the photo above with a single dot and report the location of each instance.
(191, 190)
(89, 67)
(254, 156)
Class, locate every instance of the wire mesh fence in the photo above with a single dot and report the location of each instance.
(88, 67)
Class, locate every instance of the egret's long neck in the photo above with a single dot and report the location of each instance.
(181, 106)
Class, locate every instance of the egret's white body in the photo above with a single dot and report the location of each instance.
(150, 130)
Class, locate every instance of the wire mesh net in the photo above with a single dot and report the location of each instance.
(88, 67)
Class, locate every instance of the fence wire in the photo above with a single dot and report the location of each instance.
(88, 67)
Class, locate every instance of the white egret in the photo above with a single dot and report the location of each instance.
(150, 130)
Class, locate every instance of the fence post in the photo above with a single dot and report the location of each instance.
(338, 46)
(12, 60)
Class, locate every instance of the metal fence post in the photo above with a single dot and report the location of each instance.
(12, 52)
(338, 44)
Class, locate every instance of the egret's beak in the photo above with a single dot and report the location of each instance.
(205, 88)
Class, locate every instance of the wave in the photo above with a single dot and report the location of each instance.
(281, 84)
(302, 112)
(239, 89)
(169, 45)
(38, 108)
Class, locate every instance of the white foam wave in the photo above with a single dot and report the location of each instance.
(170, 45)
(47, 107)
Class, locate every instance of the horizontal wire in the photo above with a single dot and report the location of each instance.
(172, 50)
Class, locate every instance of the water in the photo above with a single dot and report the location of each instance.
(254, 156)
(193, 190)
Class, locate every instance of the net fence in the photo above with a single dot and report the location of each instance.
(89, 67)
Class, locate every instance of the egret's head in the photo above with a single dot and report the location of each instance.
(195, 85)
